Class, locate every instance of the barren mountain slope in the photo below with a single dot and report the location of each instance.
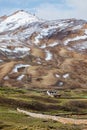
(40, 53)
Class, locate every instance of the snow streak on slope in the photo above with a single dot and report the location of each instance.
(53, 44)
(19, 66)
(20, 77)
(48, 55)
(16, 50)
(81, 46)
(75, 39)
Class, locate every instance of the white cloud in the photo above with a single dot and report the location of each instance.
(66, 8)
(80, 8)
(70, 9)
(50, 11)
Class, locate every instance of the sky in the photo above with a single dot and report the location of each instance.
(47, 9)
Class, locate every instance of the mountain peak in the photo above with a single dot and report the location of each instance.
(22, 12)
(24, 16)
(17, 19)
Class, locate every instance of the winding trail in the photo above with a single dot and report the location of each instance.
(56, 118)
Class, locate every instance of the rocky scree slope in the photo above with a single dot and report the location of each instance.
(41, 53)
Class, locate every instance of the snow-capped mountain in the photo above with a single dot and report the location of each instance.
(16, 20)
(46, 52)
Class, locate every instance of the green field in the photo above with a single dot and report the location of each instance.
(71, 104)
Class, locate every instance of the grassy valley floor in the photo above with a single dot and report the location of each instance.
(72, 104)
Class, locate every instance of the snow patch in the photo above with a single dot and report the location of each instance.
(77, 27)
(16, 50)
(5, 49)
(81, 46)
(45, 32)
(1, 61)
(48, 55)
(57, 75)
(49, 30)
(43, 46)
(38, 62)
(19, 66)
(65, 75)
(86, 31)
(60, 83)
(53, 44)
(20, 49)
(75, 39)
(6, 78)
(37, 39)
(20, 77)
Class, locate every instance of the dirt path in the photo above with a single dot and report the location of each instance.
(56, 118)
